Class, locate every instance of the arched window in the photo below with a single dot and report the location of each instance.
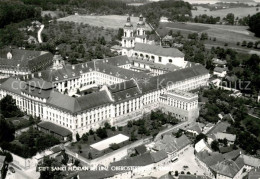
(125, 34)
(152, 57)
(147, 56)
(170, 60)
(141, 55)
(136, 54)
(138, 32)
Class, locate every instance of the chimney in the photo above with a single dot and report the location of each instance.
(39, 74)
(32, 75)
(73, 67)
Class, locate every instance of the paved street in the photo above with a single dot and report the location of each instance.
(19, 174)
(187, 159)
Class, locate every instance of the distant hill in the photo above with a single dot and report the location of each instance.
(216, 1)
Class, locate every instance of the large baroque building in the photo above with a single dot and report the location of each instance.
(134, 44)
(21, 62)
(122, 92)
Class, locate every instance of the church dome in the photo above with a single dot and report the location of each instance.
(141, 20)
(128, 22)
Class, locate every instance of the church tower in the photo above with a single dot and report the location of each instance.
(141, 31)
(128, 40)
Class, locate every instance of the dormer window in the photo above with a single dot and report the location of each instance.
(128, 95)
(65, 76)
(56, 78)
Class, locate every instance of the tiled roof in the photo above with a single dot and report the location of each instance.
(142, 160)
(159, 156)
(54, 128)
(167, 67)
(170, 143)
(63, 101)
(161, 81)
(219, 70)
(117, 61)
(21, 59)
(254, 174)
(13, 85)
(195, 128)
(140, 149)
(166, 176)
(251, 161)
(219, 127)
(158, 50)
(228, 168)
(210, 158)
(40, 83)
(229, 137)
(232, 155)
(78, 104)
(192, 177)
(124, 90)
(96, 174)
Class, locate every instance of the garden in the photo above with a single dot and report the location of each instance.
(143, 128)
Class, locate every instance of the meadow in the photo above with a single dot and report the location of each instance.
(238, 12)
(223, 33)
(108, 21)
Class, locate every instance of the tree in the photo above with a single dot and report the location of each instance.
(77, 137)
(199, 137)
(250, 44)
(107, 125)
(84, 137)
(8, 107)
(46, 174)
(254, 24)
(76, 163)
(204, 36)
(129, 124)
(120, 33)
(230, 18)
(79, 148)
(244, 43)
(65, 158)
(114, 146)
(215, 145)
(90, 156)
(91, 132)
(6, 130)
(101, 132)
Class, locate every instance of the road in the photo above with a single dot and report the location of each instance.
(186, 159)
(40, 34)
(23, 174)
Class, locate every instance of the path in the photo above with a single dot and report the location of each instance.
(40, 34)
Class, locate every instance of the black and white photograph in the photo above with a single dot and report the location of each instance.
(130, 89)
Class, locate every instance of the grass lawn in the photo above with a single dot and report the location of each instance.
(152, 127)
(252, 124)
(109, 21)
(20, 122)
(223, 33)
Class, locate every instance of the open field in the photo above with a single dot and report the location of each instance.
(109, 21)
(222, 33)
(238, 12)
(250, 2)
